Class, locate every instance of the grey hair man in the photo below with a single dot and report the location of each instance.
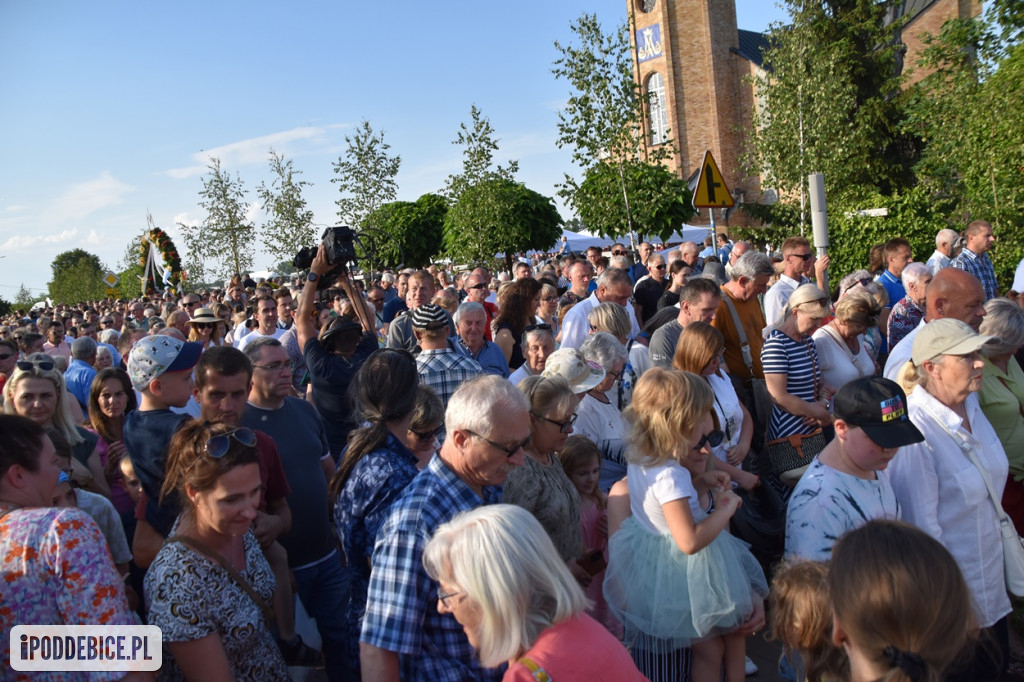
(80, 372)
(613, 285)
(943, 254)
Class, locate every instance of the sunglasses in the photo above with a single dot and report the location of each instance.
(803, 256)
(714, 439)
(549, 299)
(659, 267)
(6, 356)
(29, 365)
(536, 327)
(479, 285)
(218, 446)
(426, 436)
(204, 325)
(618, 253)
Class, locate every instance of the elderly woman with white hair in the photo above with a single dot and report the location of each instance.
(501, 578)
(538, 344)
(943, 484)
(599, 417)
(908, 312)
(796, 383)
(1002, 394)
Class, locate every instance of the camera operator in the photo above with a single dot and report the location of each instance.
(334, 358)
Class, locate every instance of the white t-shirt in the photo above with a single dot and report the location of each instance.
(255, 334)
(730, 414)
(652, 487)
(838, 363)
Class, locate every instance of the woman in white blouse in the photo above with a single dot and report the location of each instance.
(841, 346)
(599, 417)
(939, 487)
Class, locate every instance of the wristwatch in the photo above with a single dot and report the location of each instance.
(312, 277)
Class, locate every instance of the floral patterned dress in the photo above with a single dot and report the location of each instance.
(191, 596)
(55, 569)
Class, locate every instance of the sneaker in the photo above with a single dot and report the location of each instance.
(751, 666)
(299, 654)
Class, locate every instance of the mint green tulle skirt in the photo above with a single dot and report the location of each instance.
(658, 591)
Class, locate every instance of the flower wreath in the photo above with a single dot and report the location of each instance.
(167, 250)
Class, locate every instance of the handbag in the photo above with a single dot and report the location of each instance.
(761, 522)
(795, 452)
(1013, 546)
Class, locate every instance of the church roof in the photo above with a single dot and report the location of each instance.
(751, 46)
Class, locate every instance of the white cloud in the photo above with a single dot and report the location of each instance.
(185, 219)
(87, 197)
(255, 149)
(22, 242)
(14, 208)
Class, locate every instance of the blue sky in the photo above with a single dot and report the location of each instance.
(112, 108)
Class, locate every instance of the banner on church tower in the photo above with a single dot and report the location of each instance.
(648, 43)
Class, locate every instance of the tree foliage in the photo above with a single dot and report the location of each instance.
(661, 202)
(499, 216)
(77, 277)
(289, 224)
(24, 299)
(829, 100)
(479, 146)
(603, 122)
(406, 232)
(222, 244)
(365, 175)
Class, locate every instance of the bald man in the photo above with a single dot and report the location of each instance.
(953, 293)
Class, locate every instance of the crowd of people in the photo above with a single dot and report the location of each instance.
(590, 467)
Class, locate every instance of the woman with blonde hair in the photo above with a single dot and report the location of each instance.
(503, 581)
(699, 351)
(612, 318)
(676, 577)
(945, 485)
(795, 381)
(205, 328)
(841, 346)
(36, 390)
(547, 311)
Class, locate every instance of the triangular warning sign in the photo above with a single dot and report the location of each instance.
(711, 192)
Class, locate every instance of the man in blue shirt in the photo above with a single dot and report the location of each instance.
(470, 323)
(404, 636)
(897, 256)
(974, 257)
(80, 373)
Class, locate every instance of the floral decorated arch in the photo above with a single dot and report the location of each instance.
(159, 257)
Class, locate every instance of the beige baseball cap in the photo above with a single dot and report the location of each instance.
(570, 364)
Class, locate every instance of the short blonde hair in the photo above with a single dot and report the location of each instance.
(698, 345)
(667, 406)
(610, 317)
(506, 564)
(810, 299)
(858, 307)
(548, 395)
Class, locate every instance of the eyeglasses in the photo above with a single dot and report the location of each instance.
(616, 375)
(714, 439)
(803, 256)
(426, 436)
(275, 367)
(508, 451)
(478, 285)
(443, 597)
(218, 445)
(29, 365)
(191, 304)
(564, 427)
(618, 253)
(659, 267)
(549, 299)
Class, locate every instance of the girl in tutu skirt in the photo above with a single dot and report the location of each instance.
(676, 578)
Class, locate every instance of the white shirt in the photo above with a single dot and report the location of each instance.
(575, 327)
(730, 414)
(520, 374)
(776, 298)
(255, 334)
(941, 492)
(838, 363)
(652, 487)
(937, 261)
(899, 355)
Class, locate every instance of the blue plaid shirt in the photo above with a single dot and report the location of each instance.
(981, 267)
(444, 370)
(401, 606)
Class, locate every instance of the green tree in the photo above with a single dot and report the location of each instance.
(499, 216)
(479, 146)
(660, 201)
(406, 233)
(289, 225)
(24, 299)
(223, 241)
(365, 175)
(77, 277)
(603, 122)
(829, 101)
(5, 306)
(129, 270)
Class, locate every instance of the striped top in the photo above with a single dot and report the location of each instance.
(798, 360)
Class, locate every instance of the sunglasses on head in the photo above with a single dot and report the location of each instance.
(426, 436)
(537, 327)
(29, 365)
(218, 446)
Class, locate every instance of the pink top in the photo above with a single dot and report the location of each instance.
(595, 538)
(577, 649)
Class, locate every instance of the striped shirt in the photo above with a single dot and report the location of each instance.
(798, 360)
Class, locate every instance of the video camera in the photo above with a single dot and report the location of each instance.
(339, 247)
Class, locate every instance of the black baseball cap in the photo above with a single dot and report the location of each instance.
(879, 406)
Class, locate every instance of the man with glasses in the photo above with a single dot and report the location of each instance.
(404, 635)
(797, 261)
(189, 303)
(650, 288)
(477, 291)
(376, 298)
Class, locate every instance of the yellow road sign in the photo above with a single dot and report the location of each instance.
(711, 192)
(111, 292)
(110, 279)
